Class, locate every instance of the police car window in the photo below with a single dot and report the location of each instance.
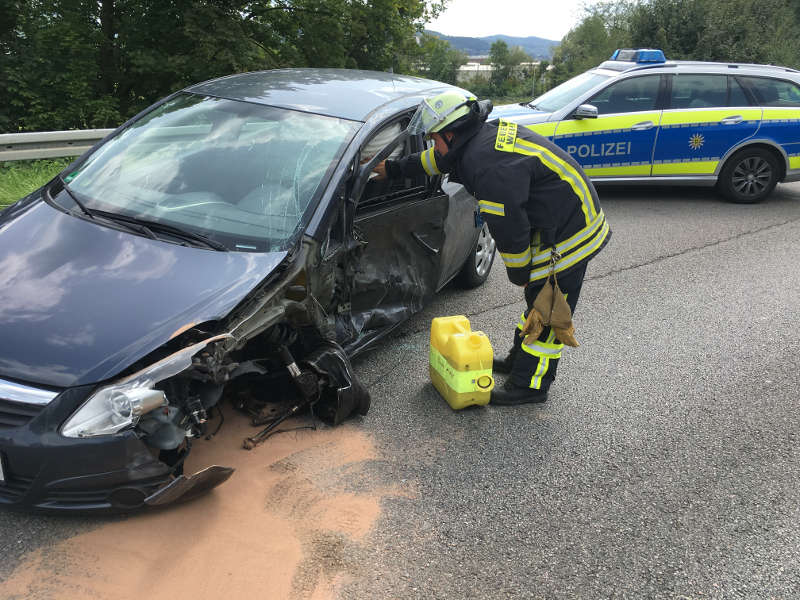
(736, 94)
(629, 95)
(773, 92)
(699, 91)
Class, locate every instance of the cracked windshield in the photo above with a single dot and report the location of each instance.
(241, 174)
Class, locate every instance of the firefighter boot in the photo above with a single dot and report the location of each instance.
(512, 395)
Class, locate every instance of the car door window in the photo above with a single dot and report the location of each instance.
(736, 94)
(391, 191)
(773, 92)
(630, 95)
(699, 91)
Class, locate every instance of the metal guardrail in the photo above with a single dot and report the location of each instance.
(48, 144)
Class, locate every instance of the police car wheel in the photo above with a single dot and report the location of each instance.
(749, 176)
(479, 263)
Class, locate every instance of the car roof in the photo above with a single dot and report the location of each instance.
(696, 67)
(345, 93)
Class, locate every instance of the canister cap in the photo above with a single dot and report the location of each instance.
(475, 340)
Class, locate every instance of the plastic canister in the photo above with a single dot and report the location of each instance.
(460, 362)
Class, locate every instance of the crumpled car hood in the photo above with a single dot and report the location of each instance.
(79, 302)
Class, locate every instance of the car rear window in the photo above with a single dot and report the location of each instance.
(697, 90)
(773, 92)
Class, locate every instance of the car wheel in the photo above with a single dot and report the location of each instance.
(749, 176)
(479, 263)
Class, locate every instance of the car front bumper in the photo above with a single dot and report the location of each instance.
(45, 471)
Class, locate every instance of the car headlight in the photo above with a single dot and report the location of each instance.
(115, 407)
(112, 409)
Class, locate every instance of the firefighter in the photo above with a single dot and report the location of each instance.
(541, 209)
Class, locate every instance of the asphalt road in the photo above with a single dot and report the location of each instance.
(665, 464)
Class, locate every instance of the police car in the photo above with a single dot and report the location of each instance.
(639, 118)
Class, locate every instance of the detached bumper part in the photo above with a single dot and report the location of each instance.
(344, 395)
(185, 488)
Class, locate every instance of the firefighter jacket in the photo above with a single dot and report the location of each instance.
(534, 197)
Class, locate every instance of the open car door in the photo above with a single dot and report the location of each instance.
(398, 236)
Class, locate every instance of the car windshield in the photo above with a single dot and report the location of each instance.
(239, 173)
(562, 95)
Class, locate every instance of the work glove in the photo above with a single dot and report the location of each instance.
(553, 310)
(532, 328)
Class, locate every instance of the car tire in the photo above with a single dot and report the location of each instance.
(478, 265)
(749, 176)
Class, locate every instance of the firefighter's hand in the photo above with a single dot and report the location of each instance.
(380, 171)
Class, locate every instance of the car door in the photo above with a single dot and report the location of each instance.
(619, 142)
(398, 233)
(707, 115)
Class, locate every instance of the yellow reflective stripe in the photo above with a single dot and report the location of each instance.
(520, 259)
(461, 381)
(605, 124)
(521, 323)
(544, 349)
(780, 114)
(545, 129)
(794, 162)
(572, 242)
(493, 208)
(607, 171)
(543, 366)
(564, 170)
(575, 257)
(700, 167)
(429, 162)
(702, 116)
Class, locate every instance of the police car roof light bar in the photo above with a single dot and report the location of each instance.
(639, 55)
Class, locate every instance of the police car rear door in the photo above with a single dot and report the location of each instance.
(620, 141)
(707, 115)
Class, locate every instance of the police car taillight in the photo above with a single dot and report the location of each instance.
(639, 55)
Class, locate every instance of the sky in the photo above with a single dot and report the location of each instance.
(549, 19)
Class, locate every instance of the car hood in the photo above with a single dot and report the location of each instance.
(80, 302)
(514, 112)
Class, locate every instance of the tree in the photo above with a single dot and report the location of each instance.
(76, 64)
(439, 60)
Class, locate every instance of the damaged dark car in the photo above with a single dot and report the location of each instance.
(227, 246)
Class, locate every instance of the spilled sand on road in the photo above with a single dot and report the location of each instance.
(285, 525)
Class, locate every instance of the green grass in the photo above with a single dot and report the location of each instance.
(22, 177)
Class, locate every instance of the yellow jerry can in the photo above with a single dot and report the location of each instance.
(460, 362)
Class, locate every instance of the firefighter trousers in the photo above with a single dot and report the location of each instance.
(535, 364)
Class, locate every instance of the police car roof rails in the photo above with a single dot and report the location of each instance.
(639, 55)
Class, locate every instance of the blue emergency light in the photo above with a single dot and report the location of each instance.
(639, 55)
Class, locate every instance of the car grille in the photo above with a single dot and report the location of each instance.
(16, 414)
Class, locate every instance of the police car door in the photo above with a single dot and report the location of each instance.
(619, 142)
(707, 115)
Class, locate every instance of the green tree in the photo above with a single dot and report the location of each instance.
(77, 64)
(439, 60)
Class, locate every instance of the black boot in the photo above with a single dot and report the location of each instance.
(503, 365)
(512, 395)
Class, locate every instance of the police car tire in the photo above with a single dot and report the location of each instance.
(739, 165)
(479, 263)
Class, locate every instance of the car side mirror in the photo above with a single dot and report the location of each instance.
(585, 111)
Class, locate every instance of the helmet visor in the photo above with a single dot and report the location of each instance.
(425, 119)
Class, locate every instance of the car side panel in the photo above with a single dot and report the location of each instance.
(693, 141)
(611, 145)
(783, 126)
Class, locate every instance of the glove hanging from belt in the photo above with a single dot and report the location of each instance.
(550, 309)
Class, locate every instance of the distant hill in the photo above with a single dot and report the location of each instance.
(536, 47)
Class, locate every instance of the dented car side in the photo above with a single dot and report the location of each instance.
(93, 426)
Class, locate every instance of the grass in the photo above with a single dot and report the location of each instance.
(20, 178)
